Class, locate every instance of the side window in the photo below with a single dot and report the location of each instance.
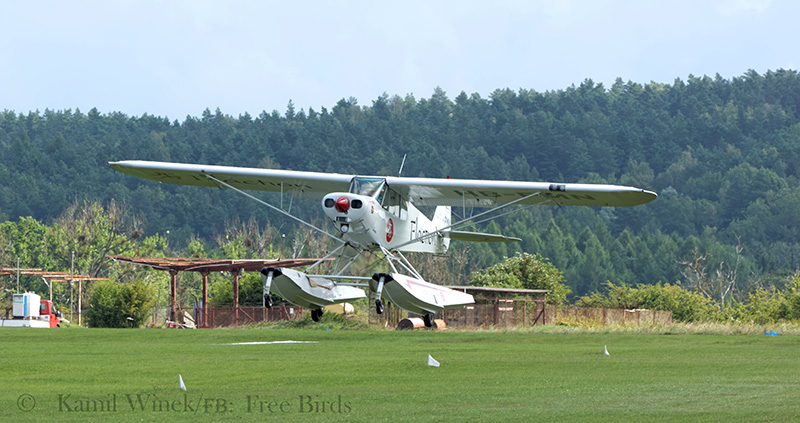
(395, 204)
(381, 198)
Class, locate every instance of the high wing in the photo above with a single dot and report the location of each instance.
(304, 184)
(420, 191)
(486, 193)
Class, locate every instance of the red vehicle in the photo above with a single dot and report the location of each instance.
(48, 309)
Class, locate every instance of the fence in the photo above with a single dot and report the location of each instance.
(484, 313)
(526, 313)
(227, 316)
(606, 316)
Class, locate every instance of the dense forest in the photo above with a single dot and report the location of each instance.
(723, 155)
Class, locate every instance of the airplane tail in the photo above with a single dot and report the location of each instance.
(441, 219)
(442, 216)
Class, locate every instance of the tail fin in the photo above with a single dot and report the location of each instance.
(441, 219)
(442, 216)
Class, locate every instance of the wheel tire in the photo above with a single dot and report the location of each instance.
(379, 306)
(428, 319)
(316, 315)
(267, 301)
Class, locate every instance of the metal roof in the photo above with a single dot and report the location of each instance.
(180, 264)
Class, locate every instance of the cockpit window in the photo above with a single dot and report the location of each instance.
(372, 187)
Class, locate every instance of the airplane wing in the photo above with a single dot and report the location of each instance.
(420, 191)
(304, 184)
(487, 193)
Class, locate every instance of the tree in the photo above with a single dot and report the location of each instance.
(525, 271)
(93, 232)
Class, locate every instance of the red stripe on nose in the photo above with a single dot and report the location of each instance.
(342, 204)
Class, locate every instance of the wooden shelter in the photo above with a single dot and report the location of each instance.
(204, 266)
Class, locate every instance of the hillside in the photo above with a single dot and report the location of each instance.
(724, 156)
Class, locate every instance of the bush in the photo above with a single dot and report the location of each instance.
(115, 305)
(686, 306)
(763, 306)
(525, 271)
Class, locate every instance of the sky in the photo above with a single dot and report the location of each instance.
(177, 58)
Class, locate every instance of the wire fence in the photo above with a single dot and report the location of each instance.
(224, 316)
(508, 313)
(485, 313)
(606, 316)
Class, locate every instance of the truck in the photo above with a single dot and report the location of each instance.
(29, 310)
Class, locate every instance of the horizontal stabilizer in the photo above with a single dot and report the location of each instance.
(479, 237)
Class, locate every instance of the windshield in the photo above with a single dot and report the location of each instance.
(372, 187)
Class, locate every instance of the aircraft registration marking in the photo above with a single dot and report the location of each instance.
(560, 194)
(565, 196)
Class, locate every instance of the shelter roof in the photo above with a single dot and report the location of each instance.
(181, 264)
(12, 271)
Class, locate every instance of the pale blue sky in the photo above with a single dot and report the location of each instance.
(177, 58)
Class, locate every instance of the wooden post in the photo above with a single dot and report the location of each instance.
(524, 311)
(236, 296)
(544, 311)
(80, 297)
(173, 294)
(204, 323)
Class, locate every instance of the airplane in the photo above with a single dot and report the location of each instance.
(379, 213)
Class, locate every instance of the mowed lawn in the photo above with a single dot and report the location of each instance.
(374, 375)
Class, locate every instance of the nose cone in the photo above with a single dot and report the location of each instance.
(342, 204)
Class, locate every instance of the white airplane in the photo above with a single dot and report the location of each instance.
(377, 213)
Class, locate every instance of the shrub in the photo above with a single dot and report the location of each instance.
(686, 306)
(762, 306)
(115, 305)
(525, 271)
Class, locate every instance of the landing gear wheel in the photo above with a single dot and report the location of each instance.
(316, 315)
(428, 319)
(379, 306)
(267, 301)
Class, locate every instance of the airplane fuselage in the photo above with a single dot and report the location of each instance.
(381, 218)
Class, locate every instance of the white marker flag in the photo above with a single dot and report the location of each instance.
(180, 382)
(432, 362)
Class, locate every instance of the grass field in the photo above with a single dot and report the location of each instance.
(132, 375)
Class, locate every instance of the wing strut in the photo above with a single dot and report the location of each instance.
(391, 258)
(353, 259)
(273, 207)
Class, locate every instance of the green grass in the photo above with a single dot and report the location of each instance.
(376, 375)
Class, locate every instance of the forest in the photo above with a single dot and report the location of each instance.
(723, 155)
